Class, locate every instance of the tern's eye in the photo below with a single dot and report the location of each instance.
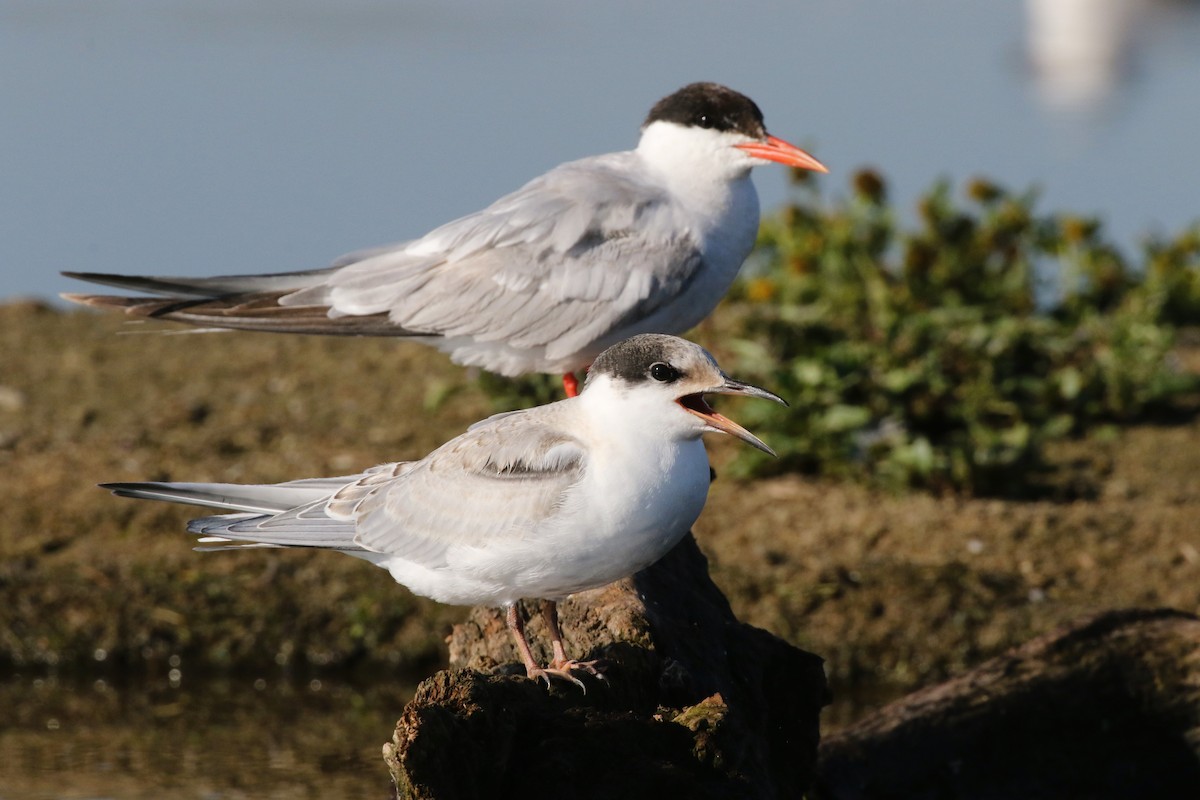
(663, 372)
(706, 121)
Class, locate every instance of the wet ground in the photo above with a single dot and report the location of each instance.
(205, 738)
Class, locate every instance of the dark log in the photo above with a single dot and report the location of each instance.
(1108, 707)
(696, 704)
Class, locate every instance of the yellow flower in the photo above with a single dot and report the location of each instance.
(760, 289)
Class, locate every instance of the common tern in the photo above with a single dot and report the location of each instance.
(539, 503)
(590, 253)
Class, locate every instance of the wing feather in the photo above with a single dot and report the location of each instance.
(585, 241)
(506, 476)
(258, 498)
(542, 279)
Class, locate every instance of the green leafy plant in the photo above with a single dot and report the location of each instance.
(947, 356)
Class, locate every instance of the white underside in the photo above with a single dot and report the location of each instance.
(615, 523)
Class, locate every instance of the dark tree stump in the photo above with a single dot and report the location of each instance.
(1108, 707)
(696, 704)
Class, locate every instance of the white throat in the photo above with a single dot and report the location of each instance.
(709, 177)
(638, 418)
(688, 155)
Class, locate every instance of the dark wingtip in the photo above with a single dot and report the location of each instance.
(121, 489)
(89, 276)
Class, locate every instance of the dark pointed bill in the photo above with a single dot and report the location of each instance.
(776, 149)
(718, 423)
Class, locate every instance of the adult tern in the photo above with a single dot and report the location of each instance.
(590, 253)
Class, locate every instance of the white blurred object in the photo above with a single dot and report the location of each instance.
(1079, 48)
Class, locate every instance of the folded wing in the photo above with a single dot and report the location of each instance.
(507, 476)
(569, 258)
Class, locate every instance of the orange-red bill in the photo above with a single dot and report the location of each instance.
(720, 422)
(779, 151)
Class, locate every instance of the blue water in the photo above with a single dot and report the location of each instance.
(208, 136)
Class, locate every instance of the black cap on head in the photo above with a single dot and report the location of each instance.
(710, 105)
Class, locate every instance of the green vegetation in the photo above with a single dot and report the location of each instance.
(944, 357)
(948, 356)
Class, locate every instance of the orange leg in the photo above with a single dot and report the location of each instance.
(570, 384)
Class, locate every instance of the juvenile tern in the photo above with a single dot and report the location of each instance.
(590, 253)
(540, 503)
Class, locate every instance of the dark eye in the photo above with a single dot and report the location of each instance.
(662, 372)
(705, 121)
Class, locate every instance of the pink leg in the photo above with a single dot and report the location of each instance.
(561, 664)
(517, 626)
(550, 614)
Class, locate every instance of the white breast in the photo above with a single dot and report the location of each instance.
(632, 506)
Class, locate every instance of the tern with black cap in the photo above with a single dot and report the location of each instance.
(590, 253)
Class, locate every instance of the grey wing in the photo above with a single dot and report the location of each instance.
(504, 478)
(268, 515)
(256, 498)
(569, 257)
